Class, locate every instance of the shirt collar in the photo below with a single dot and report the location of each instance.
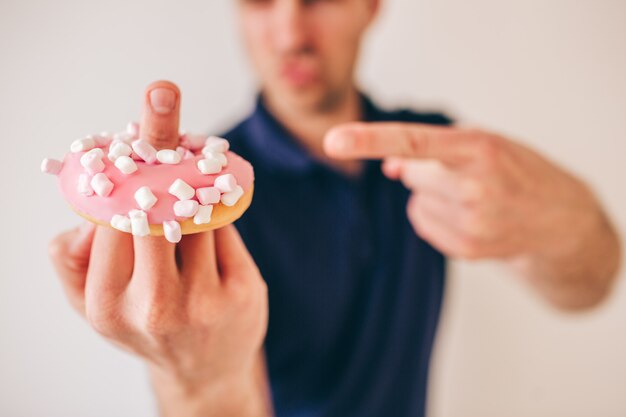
(278, 149)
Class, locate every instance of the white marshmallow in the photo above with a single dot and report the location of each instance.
(186, 208)
(216, 144)
(139, 223)
(145, 151)
(171, 230)
(126, 165)
(181, 190)
(203, 216)
(82, 145)
(51, 166)
(217, 155)
(132, 128)
(92, 161)
(209, 166)
(193, 142)
(117, 149)
(168, 156)
(98, 152)
(145, 198)
(102, 139)
(208, 195)
(184, 152)
(121, 223)
(225, 183)
(101, 184)
(84, 186)
(124, 137)
(230, 199)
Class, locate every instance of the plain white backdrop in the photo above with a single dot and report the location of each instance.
(548, 72)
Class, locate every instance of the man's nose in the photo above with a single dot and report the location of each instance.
(290, 31)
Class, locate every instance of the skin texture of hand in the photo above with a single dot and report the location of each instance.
(196, 311)
(477, 195)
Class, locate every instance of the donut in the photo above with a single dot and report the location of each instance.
(123, 182)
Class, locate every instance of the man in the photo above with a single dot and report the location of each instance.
(349, 251)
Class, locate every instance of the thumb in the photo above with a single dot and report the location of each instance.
(160, 117)
(70, 253)
(392, 167)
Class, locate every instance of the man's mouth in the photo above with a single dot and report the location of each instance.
(299, 72)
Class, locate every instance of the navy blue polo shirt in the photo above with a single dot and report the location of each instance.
(354, 293)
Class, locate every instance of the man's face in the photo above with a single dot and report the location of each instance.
(304, 51)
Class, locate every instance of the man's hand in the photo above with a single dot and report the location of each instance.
(196, 311)
(477, 195)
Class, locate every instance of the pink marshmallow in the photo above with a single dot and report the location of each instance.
(208, 195)
(186, 208)
(146, 151)
(92, 161)
(51, 166)
(184, 152)
(101, 185)
(84, 185)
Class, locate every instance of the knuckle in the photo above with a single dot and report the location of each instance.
(249, 291)
(472, 190)
(107, 322)
(472, 221)
(242, 294)
(490, 150)
(159, 322)
(416, 143)
(203, 314)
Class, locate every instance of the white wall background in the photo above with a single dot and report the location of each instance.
(550, 72)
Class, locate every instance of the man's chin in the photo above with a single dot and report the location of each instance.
(304, 98)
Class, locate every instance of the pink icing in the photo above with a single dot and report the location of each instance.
(156, 176)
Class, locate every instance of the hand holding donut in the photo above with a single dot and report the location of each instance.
(196, 310)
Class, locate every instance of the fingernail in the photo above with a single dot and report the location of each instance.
(162, 100)
(342, 142)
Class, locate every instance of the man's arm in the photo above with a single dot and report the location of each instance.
(477, 195)
(580, 272)
(247, 395)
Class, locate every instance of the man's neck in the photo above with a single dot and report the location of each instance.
(308, 126)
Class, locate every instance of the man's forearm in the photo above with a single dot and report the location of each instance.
(580, 272)
(246, 396)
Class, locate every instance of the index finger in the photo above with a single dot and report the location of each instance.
(409, 140)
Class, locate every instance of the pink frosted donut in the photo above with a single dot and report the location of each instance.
(108, 181)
